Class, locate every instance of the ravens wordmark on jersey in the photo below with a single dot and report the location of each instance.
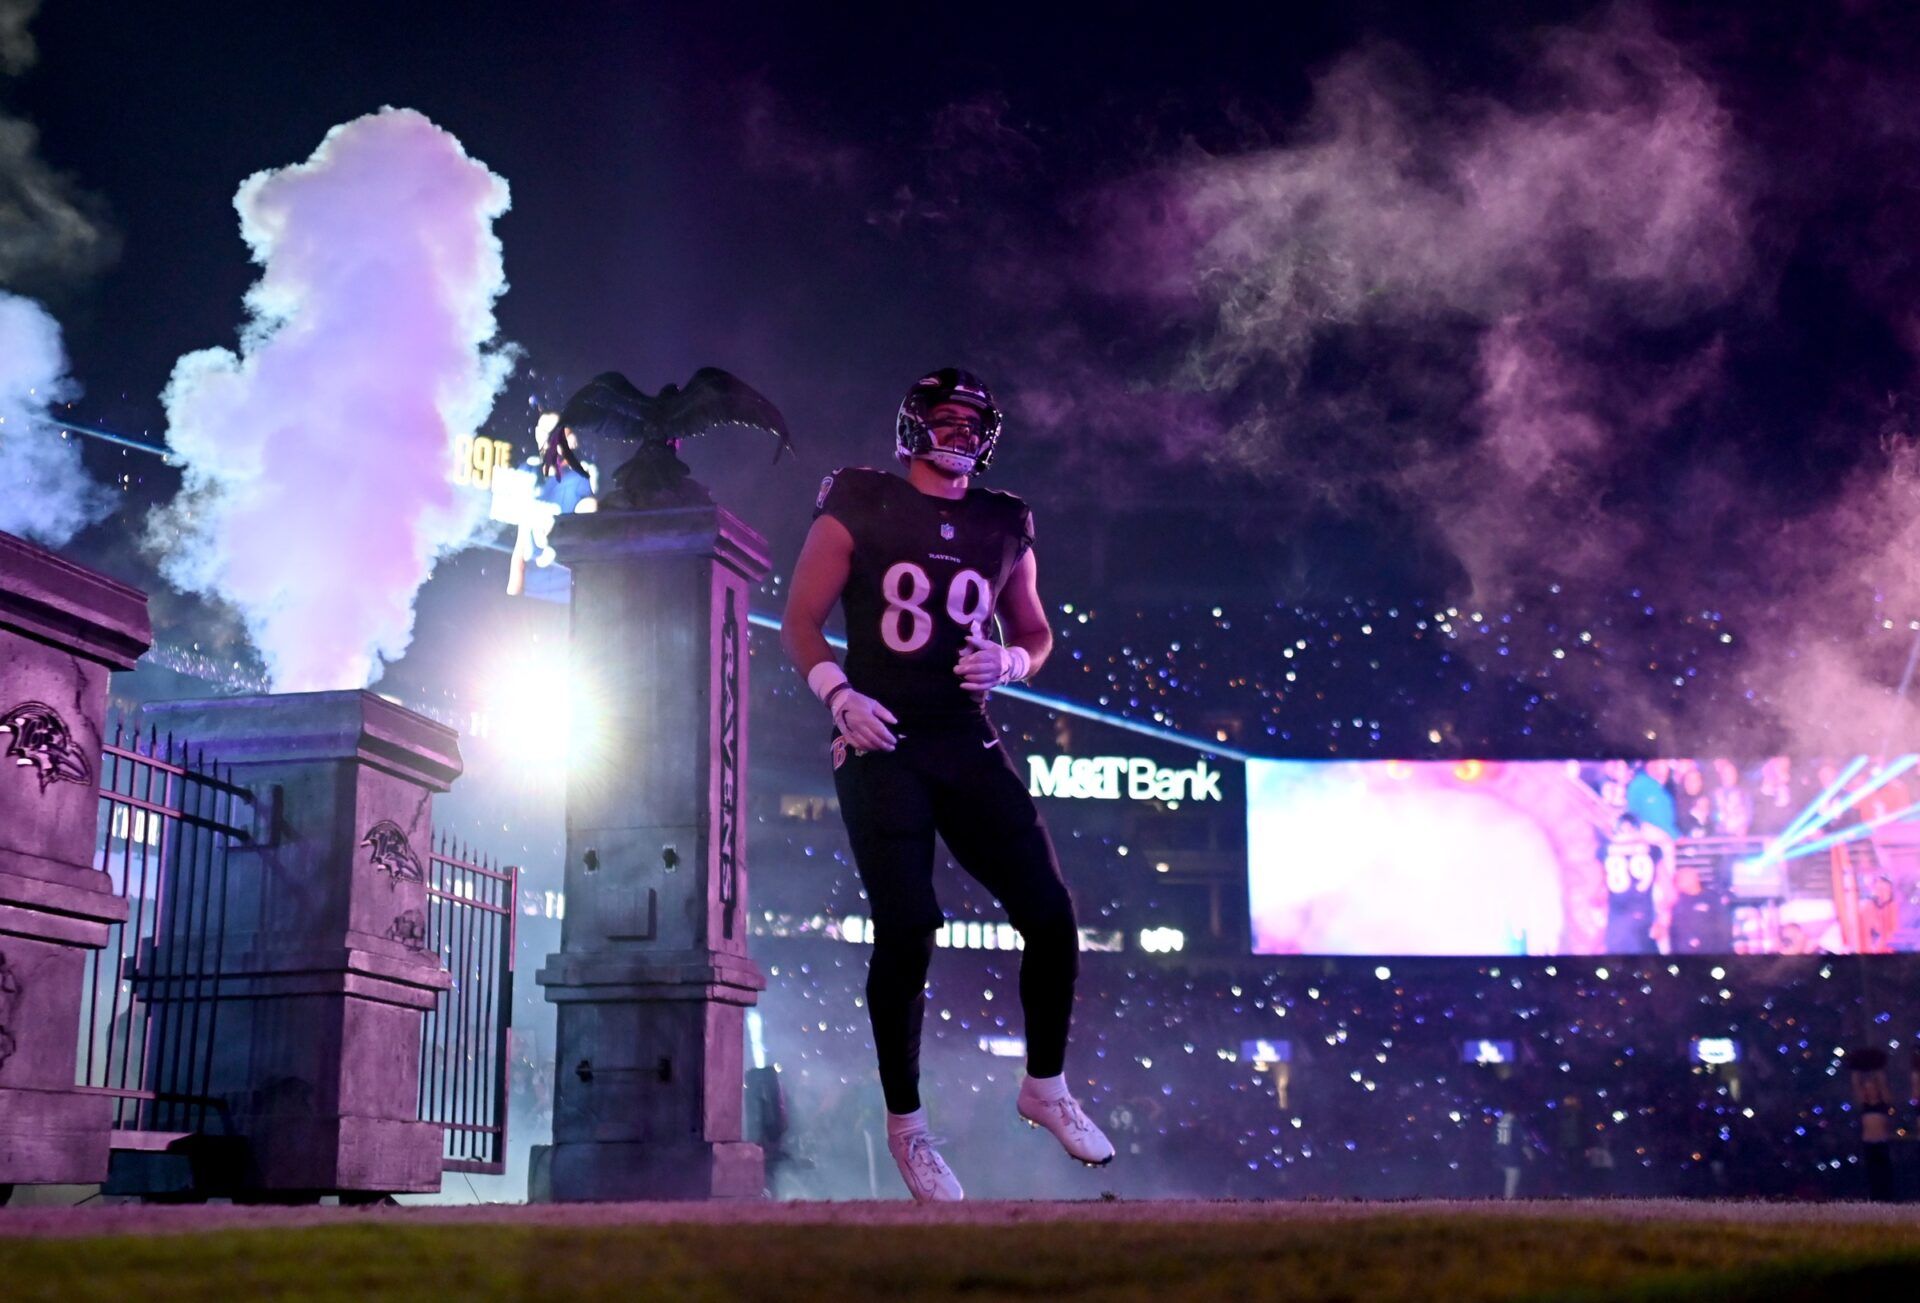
(924, 571)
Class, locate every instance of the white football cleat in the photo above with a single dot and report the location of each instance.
(1070, 1125)
(927, 1175)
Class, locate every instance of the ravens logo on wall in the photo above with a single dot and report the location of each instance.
(392, 851)
(409, 929)
(37, 736)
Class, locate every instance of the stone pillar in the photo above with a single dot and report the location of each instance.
(652, 979)
(325, 970)
(63, 629)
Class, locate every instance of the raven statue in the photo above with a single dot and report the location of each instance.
(609, 405)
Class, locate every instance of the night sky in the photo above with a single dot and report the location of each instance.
(1362, 300)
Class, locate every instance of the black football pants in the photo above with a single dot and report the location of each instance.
(957, 781)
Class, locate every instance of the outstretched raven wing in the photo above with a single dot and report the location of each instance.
(713, 398)
(609, 406)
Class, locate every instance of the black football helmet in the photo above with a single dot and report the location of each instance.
(913, 438)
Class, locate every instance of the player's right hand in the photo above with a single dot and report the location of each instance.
(863, 721)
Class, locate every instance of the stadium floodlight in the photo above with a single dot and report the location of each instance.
(756, 1038)
(518, 712)
(1486, 1052)
(1162, 940)
(1263, 1054)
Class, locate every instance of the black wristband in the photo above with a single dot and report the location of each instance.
(834, 692)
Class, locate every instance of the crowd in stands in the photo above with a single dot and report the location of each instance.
(1545, 678)
(1378, 1093)
(1605, 1092)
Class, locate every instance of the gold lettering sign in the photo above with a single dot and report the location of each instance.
(475, 460)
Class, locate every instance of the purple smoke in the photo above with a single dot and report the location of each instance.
(317, 494)
(776, 139)
(1607, 197)
(1505, 312)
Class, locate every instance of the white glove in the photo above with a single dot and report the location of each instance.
(986, 665)
(861, 720)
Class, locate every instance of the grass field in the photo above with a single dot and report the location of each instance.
(847, 1252)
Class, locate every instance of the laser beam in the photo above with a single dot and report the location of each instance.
(164, 453)
(1886, 776)
(1853, 834)
(1811, 815)
(1066, 707)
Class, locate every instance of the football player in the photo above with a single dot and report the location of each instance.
(1641, 892)
(924, 563)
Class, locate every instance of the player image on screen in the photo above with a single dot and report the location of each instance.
(1469, 860)
(1638, 863)
(1700, 855)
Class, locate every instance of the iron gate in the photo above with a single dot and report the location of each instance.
(150, 1008)
(463, 1043)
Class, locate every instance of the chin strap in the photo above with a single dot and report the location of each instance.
(973, 462)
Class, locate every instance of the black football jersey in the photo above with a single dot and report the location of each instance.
(1631, 863)
(924, 569)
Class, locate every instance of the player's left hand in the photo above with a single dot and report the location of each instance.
(984, 664)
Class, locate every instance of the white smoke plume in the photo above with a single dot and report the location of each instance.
(45, 493)
(50, 234)
(318, 493)
(17, 50)
(50, 231)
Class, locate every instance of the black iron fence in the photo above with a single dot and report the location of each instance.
(150, 1011)
(463, 1045)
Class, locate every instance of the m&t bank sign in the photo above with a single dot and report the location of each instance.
(1108, 778)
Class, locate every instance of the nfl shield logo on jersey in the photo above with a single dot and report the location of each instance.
(825, 485)
(946, 530)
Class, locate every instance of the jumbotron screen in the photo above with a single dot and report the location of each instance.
(1616, 857)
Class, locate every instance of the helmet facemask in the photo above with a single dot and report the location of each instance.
(914, 437)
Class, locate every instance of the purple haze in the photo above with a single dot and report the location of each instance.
(1510, 316)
